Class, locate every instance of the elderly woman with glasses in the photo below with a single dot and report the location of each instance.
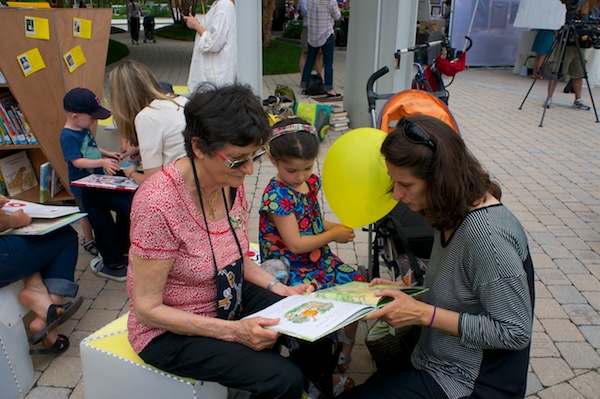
(191, 281)
(476, 319)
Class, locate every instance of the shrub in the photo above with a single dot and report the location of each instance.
(292, 29)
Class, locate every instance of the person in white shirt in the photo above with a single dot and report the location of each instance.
(214, 58)
(147, 116)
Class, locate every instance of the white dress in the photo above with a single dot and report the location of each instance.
(214, 58)
(592, 66)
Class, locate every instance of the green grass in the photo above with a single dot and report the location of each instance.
(116, 51)
(281, 57)
(176, 32)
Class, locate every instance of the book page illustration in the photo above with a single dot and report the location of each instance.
(308, 312)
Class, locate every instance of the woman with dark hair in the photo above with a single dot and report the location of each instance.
(477, 316)
(191, 281)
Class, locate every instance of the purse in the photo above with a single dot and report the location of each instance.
(392, 348)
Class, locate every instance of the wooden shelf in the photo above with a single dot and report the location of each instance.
(40, 94)
(33, 195)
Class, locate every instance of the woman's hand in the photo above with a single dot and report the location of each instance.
(3, 200)
(342, 234)
(192, 23)
(402, 311)
(250, 332)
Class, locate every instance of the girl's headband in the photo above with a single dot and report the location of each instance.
(296, 127)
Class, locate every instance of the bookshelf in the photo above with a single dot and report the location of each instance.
(40, 94)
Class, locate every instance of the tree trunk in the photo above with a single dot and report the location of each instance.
(268, 7)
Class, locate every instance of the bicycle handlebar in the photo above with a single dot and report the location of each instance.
(371, 95)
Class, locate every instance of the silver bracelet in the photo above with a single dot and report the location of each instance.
(272, 284)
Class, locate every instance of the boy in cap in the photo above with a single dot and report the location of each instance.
(84, 157)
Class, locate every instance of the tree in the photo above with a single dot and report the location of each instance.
(268, 8)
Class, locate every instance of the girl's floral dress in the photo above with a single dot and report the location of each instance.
(321, 267)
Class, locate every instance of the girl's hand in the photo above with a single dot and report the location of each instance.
(402, 311)
(250, 332)
(298, 289)
(379, 280)
(113, 155)
(342, 234)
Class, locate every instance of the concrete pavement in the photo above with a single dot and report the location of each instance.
(550, 178)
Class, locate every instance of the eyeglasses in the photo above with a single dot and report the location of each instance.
(415, 134)
(236, 164)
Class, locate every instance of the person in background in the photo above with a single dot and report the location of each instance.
(477, 316)
(148, 117)
(46, 264)
(191, 282)
(318, 64)
(542, 46)
(134, 13)
(292, 229)
(321, 16)
(83, 157)
(214, 58)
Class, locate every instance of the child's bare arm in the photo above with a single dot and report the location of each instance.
(300, 244)
(110, 154)
(110, 165)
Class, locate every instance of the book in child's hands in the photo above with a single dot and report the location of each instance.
(38, 210)
(316, 315)
(107, 181)
(39, 227)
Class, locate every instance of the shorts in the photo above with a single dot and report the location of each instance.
(304, 39)
(572, 63)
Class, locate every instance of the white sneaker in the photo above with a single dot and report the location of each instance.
(548, 103)
(99, 269)
(579, 103)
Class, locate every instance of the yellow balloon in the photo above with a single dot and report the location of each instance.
(355, 179)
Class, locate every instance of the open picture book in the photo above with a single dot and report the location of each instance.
(39, 210)
(39, 227)
(318, 314)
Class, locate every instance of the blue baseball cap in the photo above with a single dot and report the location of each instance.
(84, 101)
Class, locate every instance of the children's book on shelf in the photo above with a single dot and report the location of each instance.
(39, 227)
(18, 173)
(107, 182)
(39, 210)
(56, 185)
(45, 181)
(3, 190)
(318, 314)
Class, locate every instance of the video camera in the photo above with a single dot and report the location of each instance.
(587, 29)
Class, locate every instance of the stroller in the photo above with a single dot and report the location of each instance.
(402, 238)
(149, 29)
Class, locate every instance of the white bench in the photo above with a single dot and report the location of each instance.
(16, 368)
(111, 369)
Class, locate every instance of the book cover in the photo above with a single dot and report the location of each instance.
(3, 190)
(20, 137)
(29, 136)
(318, 314)
(18, 173)
(11, 135)
(56, 185)
(108, 182)
(39, 210)
(45, 181)
(39, 227)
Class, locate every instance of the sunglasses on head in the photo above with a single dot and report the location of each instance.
(236, 164)
(415, 134)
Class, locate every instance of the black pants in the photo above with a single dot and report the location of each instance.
(134, 28)
(265, 374)
(412, 384)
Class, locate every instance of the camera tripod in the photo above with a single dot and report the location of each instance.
(558, 48)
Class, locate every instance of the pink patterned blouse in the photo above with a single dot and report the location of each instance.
(167, 224)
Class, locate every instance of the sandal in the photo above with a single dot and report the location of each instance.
(53, 320)
(90, 246)
(60, 345)
(343, 359)
(344, 384)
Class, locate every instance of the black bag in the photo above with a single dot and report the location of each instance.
(404, 241)
(314, 86)
(392, 348)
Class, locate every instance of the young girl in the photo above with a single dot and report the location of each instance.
(291, 225)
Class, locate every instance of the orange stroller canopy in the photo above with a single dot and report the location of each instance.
(414, 102)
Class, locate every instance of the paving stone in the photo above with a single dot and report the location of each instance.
(593, 297)
(63, 371)
(78, 392)
(582, 314)
(96, 318)
(562, 330)
(587, 384)
(110, 299)
(546, 308)
(592, 335)
(565, 294)
(585, 282)
(571, 266)
(552, 277)
(579, 355)
(563, 390)
(533, 384)
(542, 346)
(551, 371)
(48, 393)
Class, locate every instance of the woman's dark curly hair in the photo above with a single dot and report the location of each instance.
(456, 181)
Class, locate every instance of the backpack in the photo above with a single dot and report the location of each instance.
(314, 86)
(283, 91)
